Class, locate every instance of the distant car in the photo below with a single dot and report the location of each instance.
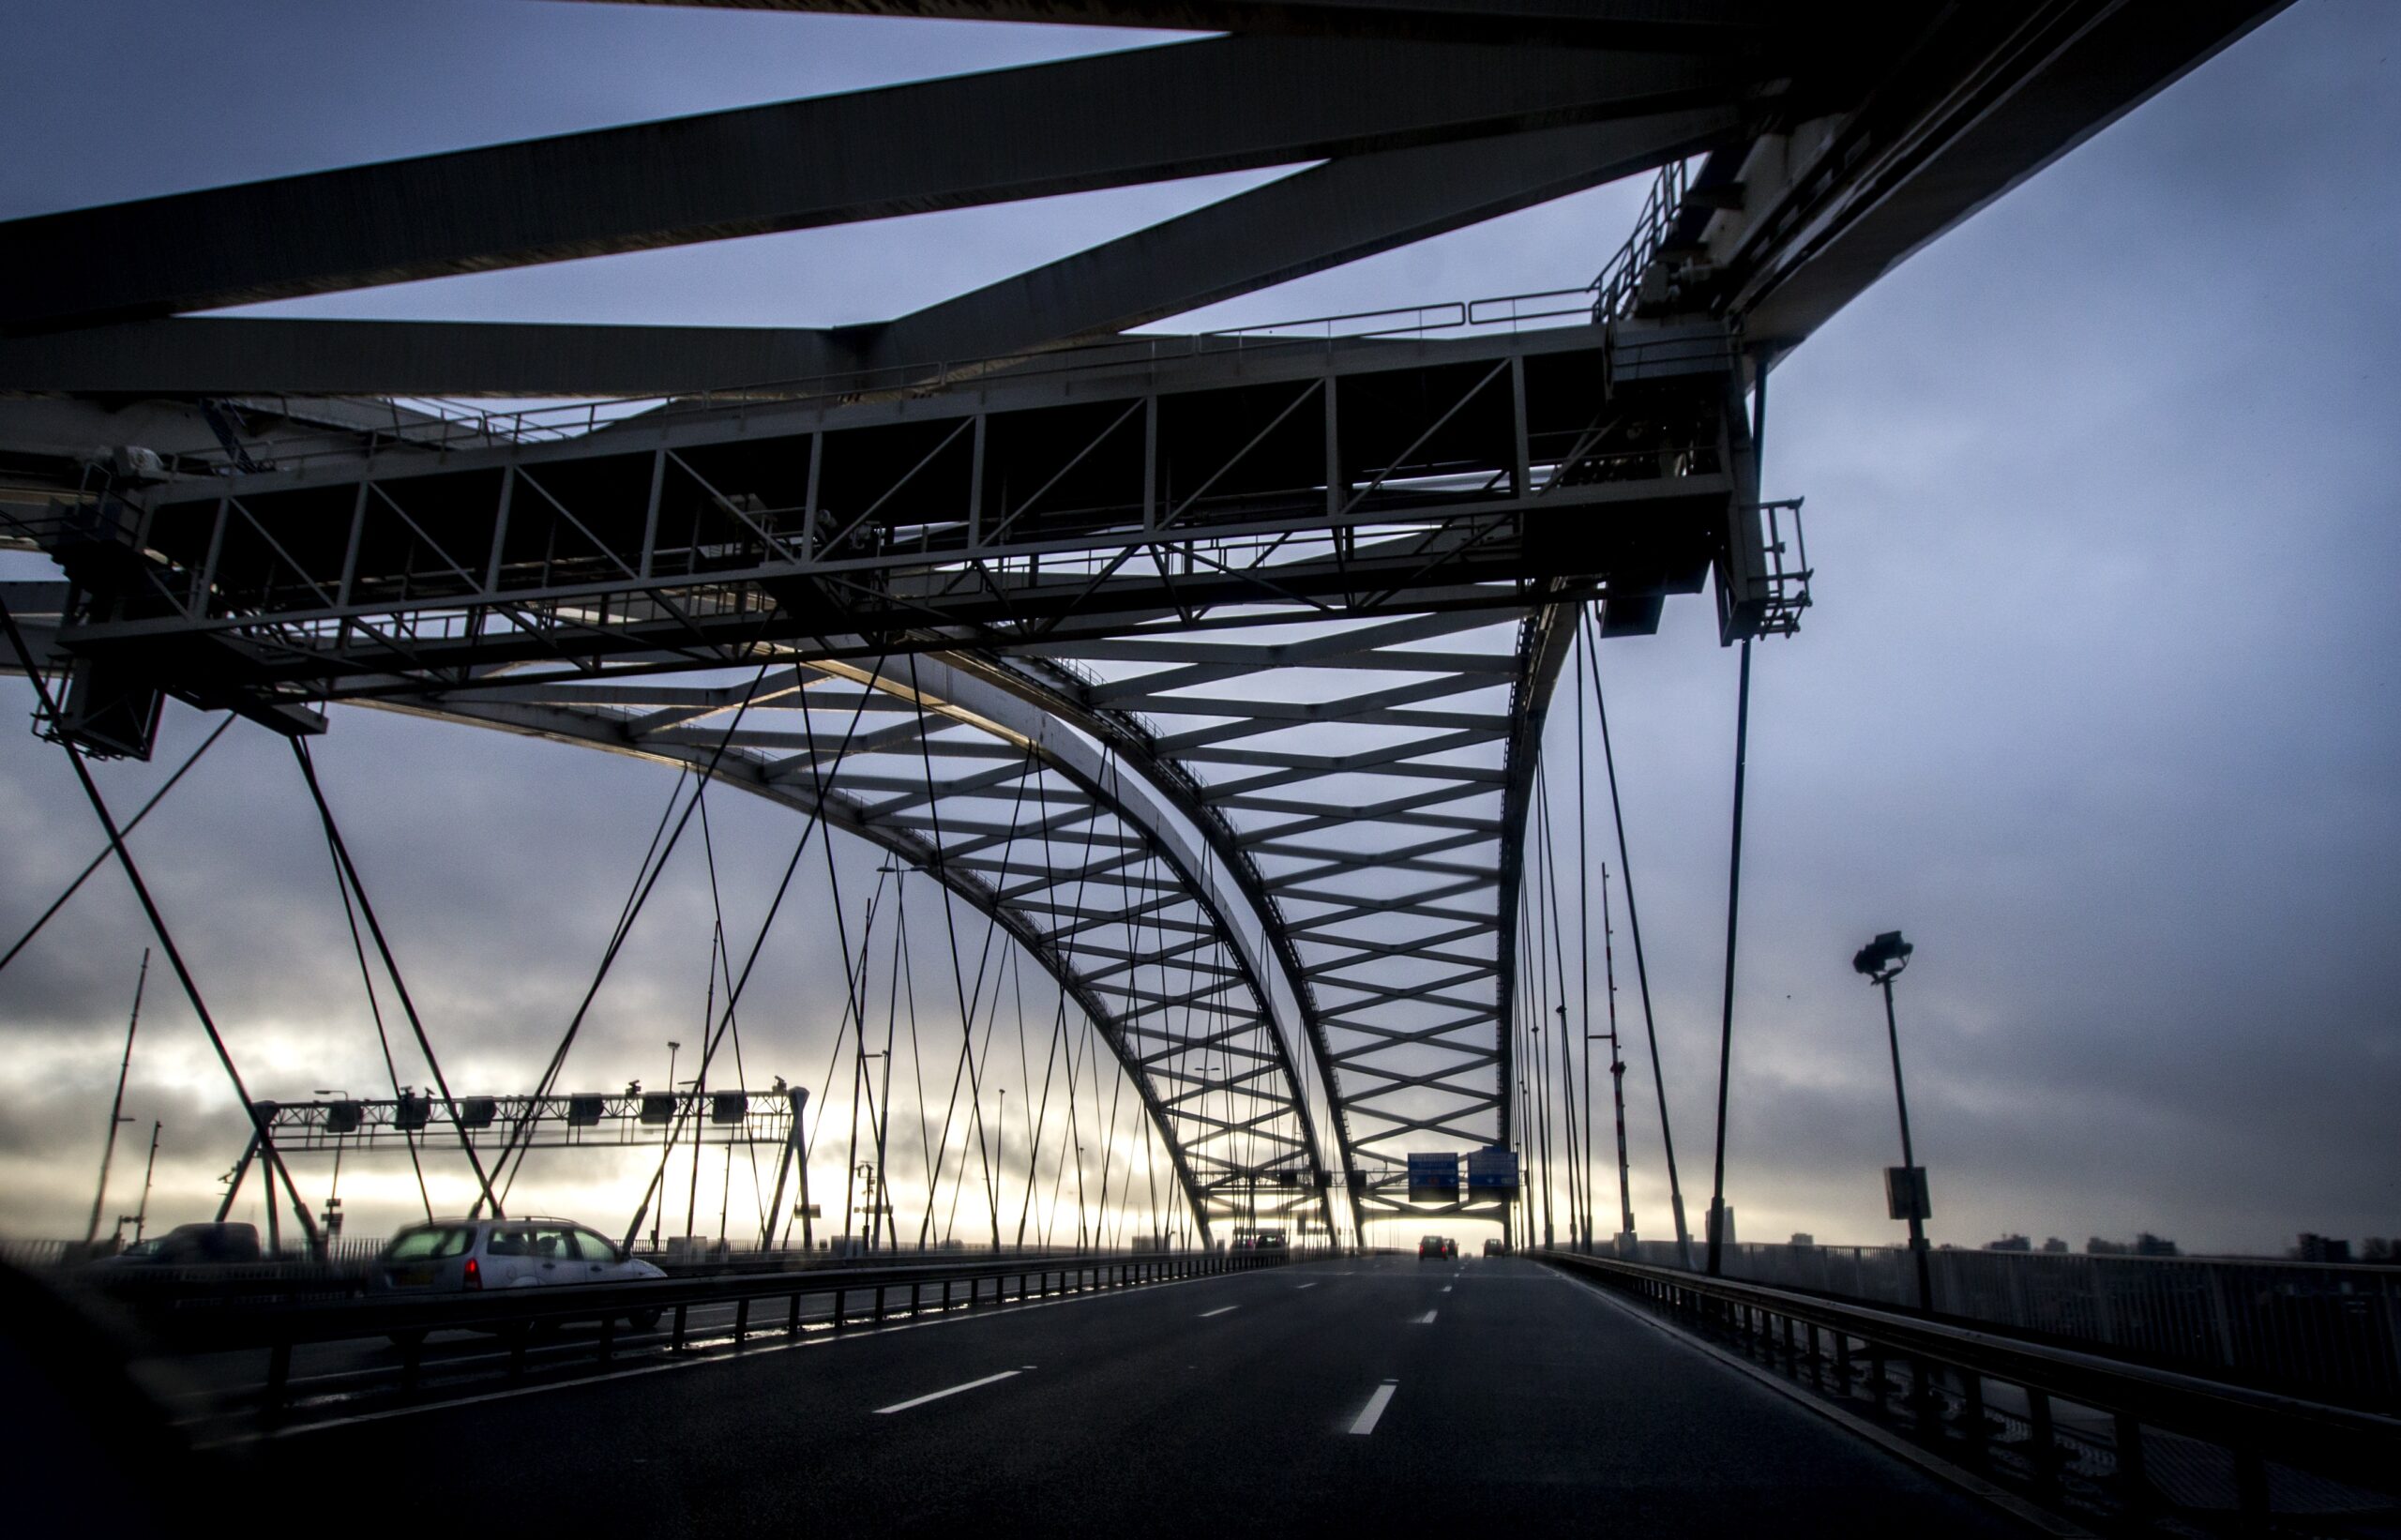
(187, 1245)
(1432, 1246)
(1493, 1246)
(1271, 1243)
(462, 1256)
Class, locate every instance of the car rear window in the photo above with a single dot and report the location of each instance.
(428, 1242)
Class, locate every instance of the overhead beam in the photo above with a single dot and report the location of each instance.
(1695, 27)
(2051, 92)
(1144, 116)
(214, 355)
(1319, 218)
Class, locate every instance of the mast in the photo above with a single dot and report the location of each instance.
(116, 1107)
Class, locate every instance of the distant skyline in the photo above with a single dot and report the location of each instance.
(2097, 703)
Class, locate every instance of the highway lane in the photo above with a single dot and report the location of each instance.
(1382, 1390)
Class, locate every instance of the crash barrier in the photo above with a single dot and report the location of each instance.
(860, 1296)
(2326, 1331)
(1936, 1375)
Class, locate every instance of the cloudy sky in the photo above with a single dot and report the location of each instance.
(2097, 701)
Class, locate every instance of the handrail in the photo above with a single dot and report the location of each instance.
(2362, 1447)
(1621, 275)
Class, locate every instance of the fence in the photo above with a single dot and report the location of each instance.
(2332, 1332)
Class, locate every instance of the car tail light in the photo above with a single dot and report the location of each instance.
(475, 1273)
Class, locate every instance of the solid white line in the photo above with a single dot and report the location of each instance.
(1365, 1423)
(1425, 1320)
(971, 1384)
(1218, 1311)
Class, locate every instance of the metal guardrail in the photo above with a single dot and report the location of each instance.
(2326, 1331)
(1846, 1349)
(860, 1296)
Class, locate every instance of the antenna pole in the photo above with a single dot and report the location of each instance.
(141, 1214)
(116, 1107)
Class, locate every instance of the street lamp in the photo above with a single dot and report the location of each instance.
(666, 1142)
(1880, 961)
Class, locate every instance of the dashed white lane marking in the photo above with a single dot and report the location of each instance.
(1365, 1423)
(1218, 1311)
(1298, 1287)
(1425, 1320)
(971, 1384)
(1446, 1287)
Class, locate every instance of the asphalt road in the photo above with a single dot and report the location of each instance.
(1353, 1394)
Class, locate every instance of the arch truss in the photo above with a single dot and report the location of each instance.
(1038, 829)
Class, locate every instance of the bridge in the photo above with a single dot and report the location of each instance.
(1209, 672)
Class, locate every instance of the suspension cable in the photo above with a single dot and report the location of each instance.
(520, 1141)
(1559, 965)
(783, 885)
(1608, 962)
(969, 1008)
(375, 1008)
(133, 823)
(925, 1128)
(959, 978)
(159, 926)
(349, 869)
(1634, 927)
(1734, 912)
(741, 1075)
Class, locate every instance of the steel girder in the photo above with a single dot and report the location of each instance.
(1077, 124)
(1361, 477)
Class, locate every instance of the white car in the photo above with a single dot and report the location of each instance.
(459, 1256)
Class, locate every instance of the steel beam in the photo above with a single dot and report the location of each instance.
(1335, 213)
(1224, 104)
(211, 355)
(1705, 26)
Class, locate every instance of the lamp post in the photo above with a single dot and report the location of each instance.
(1880, 961)
(668, 1141)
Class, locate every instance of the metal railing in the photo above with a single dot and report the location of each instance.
(1935, 1380)
(2326, 1331)
(1620, 279)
